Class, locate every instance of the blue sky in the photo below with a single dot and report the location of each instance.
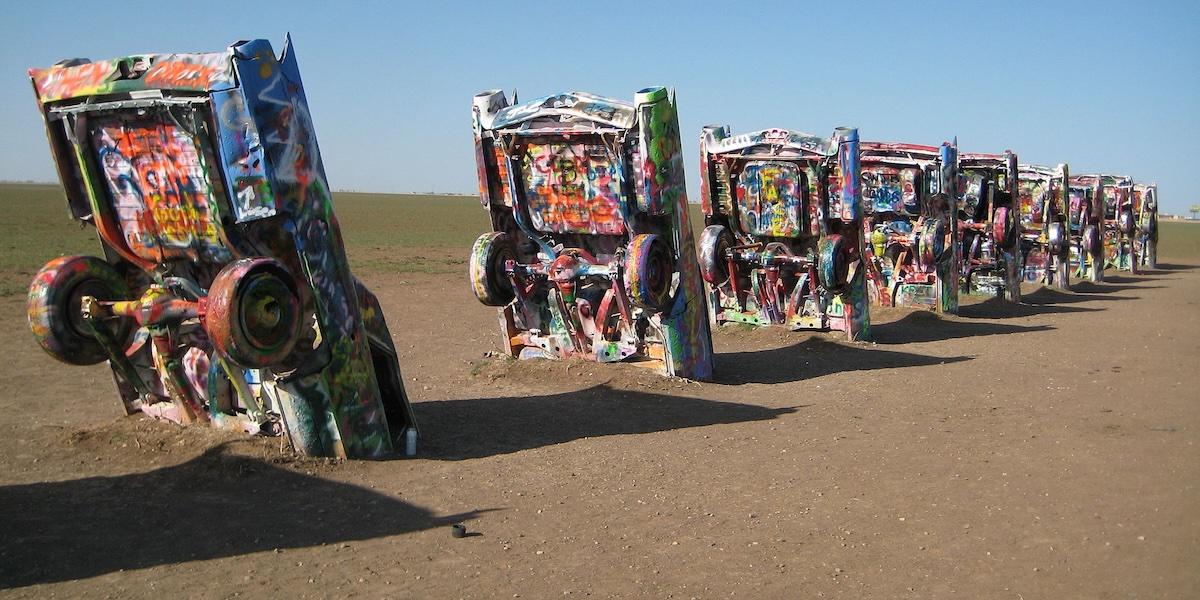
(1103, 86)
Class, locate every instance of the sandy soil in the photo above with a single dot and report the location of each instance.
(1047, 450)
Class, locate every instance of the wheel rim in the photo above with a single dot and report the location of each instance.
(658, 271)
(268, 311)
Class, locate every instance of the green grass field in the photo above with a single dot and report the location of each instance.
(383, 232)
(396, 233)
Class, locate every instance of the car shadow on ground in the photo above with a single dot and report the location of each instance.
(1048, 296)
(216, 505)
(1128, 278)
(480, 427)
(814, 357)
(1087, 287)
(924, 326)
(1171, 267)
(999, 308)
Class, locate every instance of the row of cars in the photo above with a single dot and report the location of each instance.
(801, 231)
(222, 293)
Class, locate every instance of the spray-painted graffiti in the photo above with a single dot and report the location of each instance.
(573, 104)
(572, 188)
(890, 189)
(74, 79)
(1049, 224)
(1033, 199)
(770, 196)
(56, 83)
(788, 252)
(159, 189)
(909, 228)
(581, 261)
(242, 153)
(146, 173)
(189, 71)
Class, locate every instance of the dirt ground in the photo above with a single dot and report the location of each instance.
(1047, 450)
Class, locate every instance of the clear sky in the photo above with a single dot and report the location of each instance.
(1104, 86)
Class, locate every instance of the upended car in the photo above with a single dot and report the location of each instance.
(1046, 224)
(591, 253)
(1120, 222)
(783, 238)
(1145, 211)
(991, 252)
(1087, 225)
(221, 292)
(911, 227)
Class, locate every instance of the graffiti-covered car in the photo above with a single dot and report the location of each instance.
(1120, 222)
(591, 254)
(912, 232)
(783, 238)
(1047, 229)
(1145, 210)
(221, 294)
(987, 206)
(1087, 227)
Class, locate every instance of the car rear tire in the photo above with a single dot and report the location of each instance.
(55, 315)
(253, 313)
(714, 241)
(488, 279)
(833, 265)
(649, 272)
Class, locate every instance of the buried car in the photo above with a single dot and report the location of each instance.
(1046, 225)
(991, 245)
(1087, 226)
(1145, 210)
(591, 254)
(222, 293)
(1120, 225)
(783, 238)
(911, 230)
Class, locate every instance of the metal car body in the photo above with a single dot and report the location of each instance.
(223, 295)
(591, 254)
(783, 238)
(1145, 210)
(911, 231)
(1047, 229)
(990, 224)
(1120, 222)
(1086, 208)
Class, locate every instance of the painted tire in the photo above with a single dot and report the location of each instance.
(933, 241)
(54, 312)
(649, 270)
(252, 313)
(832, 266)
(1091, 240)
(1000, 226)
(488, 280)
(714, 241)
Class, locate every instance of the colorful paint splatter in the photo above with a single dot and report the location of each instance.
(214, 329)
(591, 253)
